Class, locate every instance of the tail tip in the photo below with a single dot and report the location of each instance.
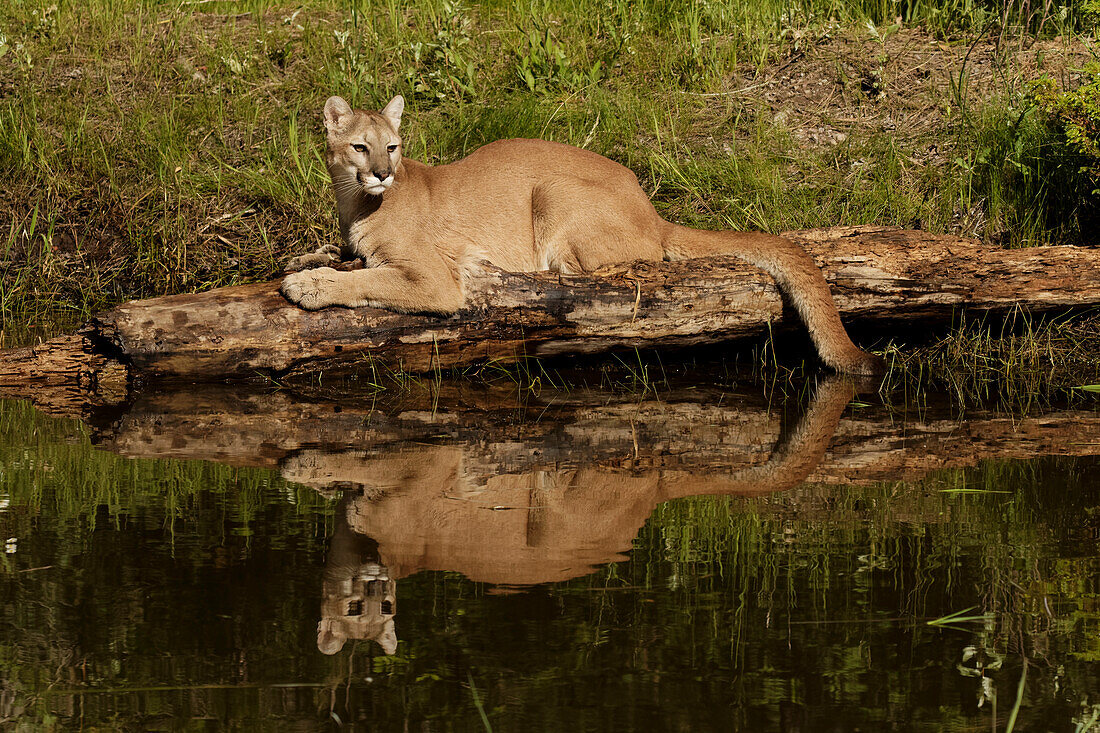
(861, 364)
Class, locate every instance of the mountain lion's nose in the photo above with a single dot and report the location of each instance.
(382, 175)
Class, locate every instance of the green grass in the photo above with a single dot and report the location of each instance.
(149, 148)
(1021, 362)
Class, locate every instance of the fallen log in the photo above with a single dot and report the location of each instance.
(877, 274)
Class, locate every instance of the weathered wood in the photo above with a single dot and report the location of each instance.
(877, 274)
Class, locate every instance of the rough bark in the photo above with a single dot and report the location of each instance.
(68, 374)
(880, 275)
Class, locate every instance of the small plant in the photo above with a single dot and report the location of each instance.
(1036, 164)
(1040, 163)
(18, 50)
(1017, 361)
(1074, 118)
(964, 616)
(544, 66)
(354, 61)
(443, 67)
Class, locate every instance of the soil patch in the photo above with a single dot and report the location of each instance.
(908, 84)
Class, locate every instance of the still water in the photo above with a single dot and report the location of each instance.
(451, 557)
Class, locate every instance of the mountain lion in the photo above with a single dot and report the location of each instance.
(523, 205)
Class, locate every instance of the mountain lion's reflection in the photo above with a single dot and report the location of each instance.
(359, 598)
(443, 507)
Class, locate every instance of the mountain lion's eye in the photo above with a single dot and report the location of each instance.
(360, 148)
(391, 148)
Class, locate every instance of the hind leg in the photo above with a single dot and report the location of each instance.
(582, 226)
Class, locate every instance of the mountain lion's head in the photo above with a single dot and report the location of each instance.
(363, 148)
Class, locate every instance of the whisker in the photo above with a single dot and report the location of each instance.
(345, 187)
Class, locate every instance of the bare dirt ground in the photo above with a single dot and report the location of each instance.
(909, 83)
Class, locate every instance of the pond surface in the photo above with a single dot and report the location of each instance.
(455, 558)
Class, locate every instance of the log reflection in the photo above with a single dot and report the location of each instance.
(514, 491)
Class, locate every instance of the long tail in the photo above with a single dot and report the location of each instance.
(797, 275)
(799, 453)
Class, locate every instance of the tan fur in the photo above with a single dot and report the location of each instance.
(523, 205)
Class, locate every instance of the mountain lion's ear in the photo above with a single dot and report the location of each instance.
(329, 640)
(388, 638)
(337, 112)
(393, 110)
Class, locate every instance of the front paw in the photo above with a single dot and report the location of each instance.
(312, 289)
